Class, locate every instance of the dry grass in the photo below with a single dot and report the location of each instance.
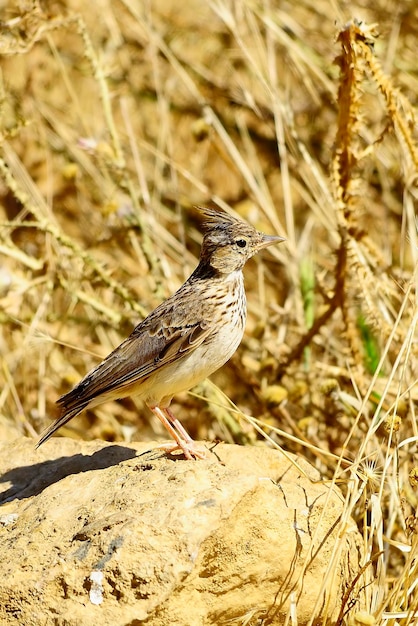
(118, 118)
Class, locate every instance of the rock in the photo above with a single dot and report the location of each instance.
(118, 534)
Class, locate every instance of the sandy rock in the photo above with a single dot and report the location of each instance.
(97, 533)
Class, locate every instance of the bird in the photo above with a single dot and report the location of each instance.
(184, 340)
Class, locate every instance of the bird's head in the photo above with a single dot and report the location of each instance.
(229, 242)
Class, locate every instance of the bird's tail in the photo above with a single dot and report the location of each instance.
(65, 417)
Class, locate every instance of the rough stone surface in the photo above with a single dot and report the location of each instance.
(96, 533)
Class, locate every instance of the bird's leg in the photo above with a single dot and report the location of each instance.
(183, 440)
(177, 425)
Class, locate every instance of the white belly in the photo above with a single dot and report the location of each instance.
(190, 370)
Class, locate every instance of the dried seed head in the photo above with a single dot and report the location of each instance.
(371, 474)
(392, 423)
(413, 477)
(330, 387)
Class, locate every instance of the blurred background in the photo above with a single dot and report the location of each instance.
(117, 118)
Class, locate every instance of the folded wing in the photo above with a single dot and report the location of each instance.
(144, 352)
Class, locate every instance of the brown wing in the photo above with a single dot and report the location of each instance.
(136, 358)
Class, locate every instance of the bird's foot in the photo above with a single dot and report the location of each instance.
(183, 441)
(191, 450)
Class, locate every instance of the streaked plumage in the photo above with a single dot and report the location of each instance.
(186, 338)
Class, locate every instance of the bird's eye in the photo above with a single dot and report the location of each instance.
(241, 243)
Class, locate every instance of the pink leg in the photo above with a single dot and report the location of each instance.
(183, 440)
(177, 425)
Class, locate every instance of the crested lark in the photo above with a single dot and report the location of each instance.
(184, 339)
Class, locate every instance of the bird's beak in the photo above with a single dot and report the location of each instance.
(269, 240)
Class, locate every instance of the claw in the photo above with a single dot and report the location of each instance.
(189, 448)
(182, 439)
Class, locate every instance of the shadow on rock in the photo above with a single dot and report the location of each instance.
(31, 480)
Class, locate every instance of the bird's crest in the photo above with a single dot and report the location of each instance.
(216, 217)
